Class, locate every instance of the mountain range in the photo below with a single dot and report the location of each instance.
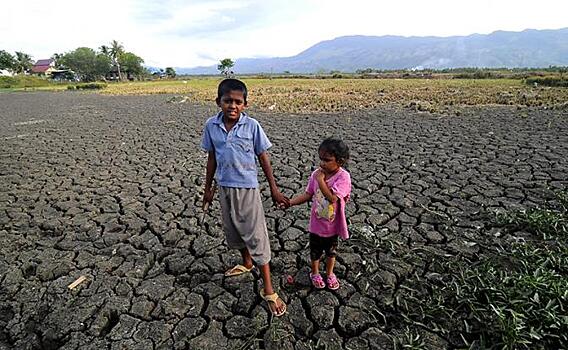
(501, 49)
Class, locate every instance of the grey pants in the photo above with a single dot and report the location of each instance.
(244, 223)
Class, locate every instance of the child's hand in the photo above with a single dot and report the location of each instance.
(280, 200)
(208, 196)
(320, 174)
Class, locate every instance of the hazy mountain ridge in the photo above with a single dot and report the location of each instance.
(529, 48)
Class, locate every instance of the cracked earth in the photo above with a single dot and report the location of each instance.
(110, 187)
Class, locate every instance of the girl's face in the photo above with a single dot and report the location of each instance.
(328, 163)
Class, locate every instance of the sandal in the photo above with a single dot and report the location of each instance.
(317, 281)
(238, 270)
(273, 298)
(332, 282)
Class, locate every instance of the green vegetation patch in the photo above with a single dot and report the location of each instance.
(553, 81)
(515, 297)
(87, 86)
(22, 81)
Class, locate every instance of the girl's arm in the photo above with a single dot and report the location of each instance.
(329, 195)
(299, 199)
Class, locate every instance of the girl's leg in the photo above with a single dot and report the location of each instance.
(315, 277)
(315, 267)
(332, 282)
(329, 265)
(315, 255)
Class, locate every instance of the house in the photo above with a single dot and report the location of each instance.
(5, 73)
(47, 68)
(44, 67)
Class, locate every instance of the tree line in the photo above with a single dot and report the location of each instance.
(19, 63)
(107, 62)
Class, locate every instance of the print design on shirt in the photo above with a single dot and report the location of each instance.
(324, 209)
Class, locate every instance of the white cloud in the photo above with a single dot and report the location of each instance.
(190, 33)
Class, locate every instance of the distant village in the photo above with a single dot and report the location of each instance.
(47, 68)
(107, 63)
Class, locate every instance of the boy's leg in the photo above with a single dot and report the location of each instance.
(232, 236)
(248, 218)
(247, 259)
(279, 305)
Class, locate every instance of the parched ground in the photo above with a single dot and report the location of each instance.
(110, 187)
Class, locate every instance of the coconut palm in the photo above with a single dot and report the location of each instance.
(23, 62)
(116, 50)
(104, 50)
(56, 57)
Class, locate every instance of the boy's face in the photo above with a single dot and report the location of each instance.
(232, 104)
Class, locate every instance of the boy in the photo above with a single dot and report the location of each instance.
(232, 140)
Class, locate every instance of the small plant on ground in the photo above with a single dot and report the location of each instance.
(515, 298)
(409, 340)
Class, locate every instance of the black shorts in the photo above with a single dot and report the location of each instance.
(320, 244)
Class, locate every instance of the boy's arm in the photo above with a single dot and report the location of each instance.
(277, 197)
(329, 195)
(300, 199)
(209, 174)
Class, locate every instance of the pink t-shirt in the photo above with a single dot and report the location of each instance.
(328, 219)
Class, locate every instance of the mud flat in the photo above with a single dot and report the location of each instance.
(109, 188)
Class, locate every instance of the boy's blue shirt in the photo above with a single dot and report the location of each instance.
(235, 151)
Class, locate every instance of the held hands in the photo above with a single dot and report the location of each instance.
(280, 200)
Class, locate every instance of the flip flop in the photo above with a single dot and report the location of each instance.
(332, 282)
(317, 281)
(238, 270)
(272, 298)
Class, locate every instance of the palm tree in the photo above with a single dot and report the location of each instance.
(56, 57)
(116, 50)
(23, 62)
(105, 50)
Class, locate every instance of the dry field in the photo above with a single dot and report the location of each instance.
(446, 96)
(459, 227)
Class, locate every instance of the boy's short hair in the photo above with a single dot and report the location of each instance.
(228, 85)
(335, 147)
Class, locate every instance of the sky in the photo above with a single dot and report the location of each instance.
(176, 33)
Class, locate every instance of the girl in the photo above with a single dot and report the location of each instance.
(328, 187)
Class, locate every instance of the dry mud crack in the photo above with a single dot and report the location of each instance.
(110, 187)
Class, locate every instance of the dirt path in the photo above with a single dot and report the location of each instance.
(110, 188)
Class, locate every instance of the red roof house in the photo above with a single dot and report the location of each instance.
(44, 67)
